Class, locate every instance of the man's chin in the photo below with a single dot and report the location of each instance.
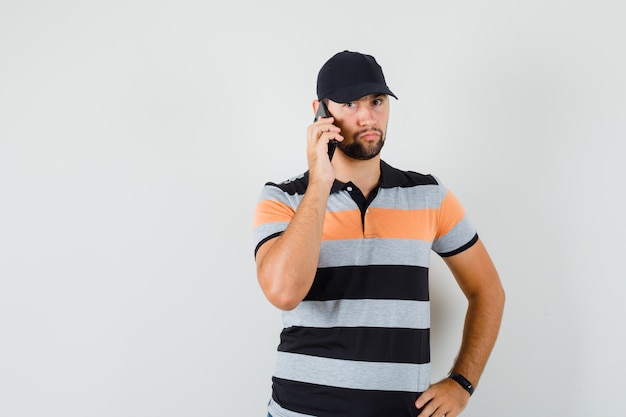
(362, 152)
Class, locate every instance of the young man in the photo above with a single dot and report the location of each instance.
(343, 250)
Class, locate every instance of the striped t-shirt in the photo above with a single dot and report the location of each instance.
(359, 342)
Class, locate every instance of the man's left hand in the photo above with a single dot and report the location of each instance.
(445, 398)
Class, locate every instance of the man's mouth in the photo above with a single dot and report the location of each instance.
(373, 134)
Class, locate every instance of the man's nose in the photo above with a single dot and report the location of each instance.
(366, 117)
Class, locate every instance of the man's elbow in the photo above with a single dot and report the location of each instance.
(493, 297)
(283, 301)
(279, 296)
(498, 298)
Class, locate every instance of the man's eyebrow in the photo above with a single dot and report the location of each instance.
(373, 96)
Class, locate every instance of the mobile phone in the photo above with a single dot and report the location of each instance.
(322, 111)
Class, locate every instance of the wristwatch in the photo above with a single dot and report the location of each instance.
(462, 381)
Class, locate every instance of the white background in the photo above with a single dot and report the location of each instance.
(135, 137)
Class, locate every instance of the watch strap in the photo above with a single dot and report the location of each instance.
(462, 381)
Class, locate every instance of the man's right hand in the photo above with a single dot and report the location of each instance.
(319, 134)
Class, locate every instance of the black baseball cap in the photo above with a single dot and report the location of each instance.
(348, 76)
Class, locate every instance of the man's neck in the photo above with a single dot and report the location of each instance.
(363, 174)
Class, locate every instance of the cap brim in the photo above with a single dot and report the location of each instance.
(348, 94)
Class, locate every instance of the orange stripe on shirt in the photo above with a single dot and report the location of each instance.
(451, 213)
(270, 211)
(401, 224)
(421, 224)
(344, 224)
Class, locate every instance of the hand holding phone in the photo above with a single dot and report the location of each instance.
(322, 111)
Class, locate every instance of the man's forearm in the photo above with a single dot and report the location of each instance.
(482, 323)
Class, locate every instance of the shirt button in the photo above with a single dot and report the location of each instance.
(349, 188)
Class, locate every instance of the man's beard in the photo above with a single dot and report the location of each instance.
(365, 150)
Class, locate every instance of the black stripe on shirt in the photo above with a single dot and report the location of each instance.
(371, 344)
(376, 282)
(324, 401)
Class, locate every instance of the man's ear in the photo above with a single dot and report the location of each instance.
(315, 104)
